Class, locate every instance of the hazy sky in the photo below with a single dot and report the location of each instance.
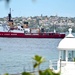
(36, 8)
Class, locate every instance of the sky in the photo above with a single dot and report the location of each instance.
(26, 8)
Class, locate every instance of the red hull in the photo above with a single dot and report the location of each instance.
(31, 35)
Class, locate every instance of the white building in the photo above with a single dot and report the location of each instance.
(66, 62)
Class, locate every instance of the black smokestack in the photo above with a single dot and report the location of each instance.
(9, 15)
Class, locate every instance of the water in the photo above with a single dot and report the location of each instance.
(16, 53)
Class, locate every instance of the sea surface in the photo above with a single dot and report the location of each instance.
(16, 53)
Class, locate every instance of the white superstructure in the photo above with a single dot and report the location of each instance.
(18, 29)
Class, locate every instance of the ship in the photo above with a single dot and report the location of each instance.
(23, 31)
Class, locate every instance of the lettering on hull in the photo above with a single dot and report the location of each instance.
(32, 35)
(8, 34)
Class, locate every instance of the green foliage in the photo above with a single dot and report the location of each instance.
(26, 73)
(6, 74)
(48, 72)
(56, 73)
(74, 59)
(45, 72)
(38, 60)
(35, 65)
